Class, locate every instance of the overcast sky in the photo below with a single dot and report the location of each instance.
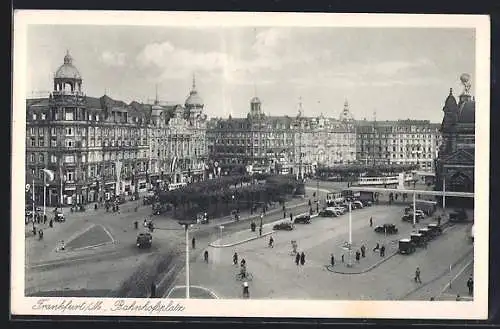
(399, 73)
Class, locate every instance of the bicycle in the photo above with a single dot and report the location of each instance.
(247, 277)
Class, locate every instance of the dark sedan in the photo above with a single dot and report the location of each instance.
(302, 219)
(387, 228)
(328, 213)
(285, 226)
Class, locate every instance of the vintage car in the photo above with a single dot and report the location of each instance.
(366, 203)
(302, 219)
(435, 229)
(426, 233)
(406, 247)
(144, 240)
(417, 239)
(358, 204)
(409, 217)
(202, 218)
(285, 225)
(59, 217)
(328, 212)
(386, 228)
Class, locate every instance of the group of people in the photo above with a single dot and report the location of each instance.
(300, 258)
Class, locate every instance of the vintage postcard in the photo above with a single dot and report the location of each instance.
(250, 164)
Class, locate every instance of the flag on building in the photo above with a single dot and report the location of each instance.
(49, 174)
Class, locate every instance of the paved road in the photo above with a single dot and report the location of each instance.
(275, 274)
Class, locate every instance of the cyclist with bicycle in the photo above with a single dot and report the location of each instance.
(243, 270)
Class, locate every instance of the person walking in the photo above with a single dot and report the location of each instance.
(342, 258)
(205, 256)
(382, 251)
(284, 214)
(235, 258)
(271, 242)
(260, 230)
(363, 251)
(51, 223)
(153, 290)
(291, 216)
(332, 260)
(371, 222)
(377, 247)
(44, 219)
(297, 259)
(470, 285)
(357, 256)
(246, 293)
(193, 243)
(302, 258)
(417, 275)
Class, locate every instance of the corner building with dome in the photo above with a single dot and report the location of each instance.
(100, 147)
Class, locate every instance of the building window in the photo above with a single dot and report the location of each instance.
(84, 158)
(53, 142)
(69, 131)
(44, 116)
(70, 143)
(34, 116)
(70, 175)
(40, 158)
(53, 159)
(53, 131)
(69, 158)
(33, 142)
(32, 131)
(69, 115)
(32, 157)
(40, 131)
(41, 142)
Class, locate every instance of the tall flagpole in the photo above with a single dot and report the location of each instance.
(44, 191)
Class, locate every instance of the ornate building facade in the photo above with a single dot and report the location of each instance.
(398, 142)
(455, 163)
(100, 147)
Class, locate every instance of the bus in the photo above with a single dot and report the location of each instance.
(333, 198)
(175, 186)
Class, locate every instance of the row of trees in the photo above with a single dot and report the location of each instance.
(220, 196)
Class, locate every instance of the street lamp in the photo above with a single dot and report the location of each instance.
(221, 227)
(349, 262)
(187, 224)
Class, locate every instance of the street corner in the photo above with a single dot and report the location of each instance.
(195, 292)
(364, 265)
(92, 237)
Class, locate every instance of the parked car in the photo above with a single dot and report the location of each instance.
(366, 203)
(144, 240)
(387, 228)
(328, 212)
(435, 229)
(285, 226)
(302, 219)
(417, 239)
(406, 247)
(426, 233)
(409, 218)
(358, 204)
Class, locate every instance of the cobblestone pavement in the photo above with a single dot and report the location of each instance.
(276, 276)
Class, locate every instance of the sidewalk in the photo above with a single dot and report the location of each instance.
(241, 237)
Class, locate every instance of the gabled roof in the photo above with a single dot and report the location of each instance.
(460, 156)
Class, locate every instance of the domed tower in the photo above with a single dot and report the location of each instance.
(345, 115)
(448, 125)
(194, 103)
(255, 107)
(67, 78)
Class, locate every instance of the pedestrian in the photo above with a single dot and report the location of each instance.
(260, 230)
(291, 216)
(458, 298)
(439, 220)
(297, 259)
(44, 219)
(363, 251)
(63, 246)
(417, 275)
(34, 230)
(235, 259)
(309, 203)
(357, 256)
(243, 262)
(246, 293)
(470, 285)
(40, 234)
(302, 258)
(51, 223)
(136, 225)
(193, 243)
(284, 214)
(284, 208)
(377, 247)
(271, 242)
(153, 290)
(332, 260)
(205, 256)
(342, 258)
(371, 222)
(382, 251)
(317, 207)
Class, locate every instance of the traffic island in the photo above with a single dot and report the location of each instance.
(359, 268)
(238, 238)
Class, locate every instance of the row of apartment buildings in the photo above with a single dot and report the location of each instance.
(99, 147)
(299, 144)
